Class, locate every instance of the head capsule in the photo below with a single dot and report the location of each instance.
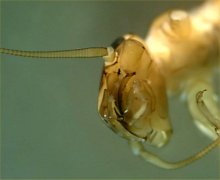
(132, 98)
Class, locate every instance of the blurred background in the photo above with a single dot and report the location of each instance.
(50, 127)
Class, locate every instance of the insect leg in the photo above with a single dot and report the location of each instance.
(139, 149)
(204, 110)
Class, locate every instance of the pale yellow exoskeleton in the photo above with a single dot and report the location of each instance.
(186, 46)
(178, 55)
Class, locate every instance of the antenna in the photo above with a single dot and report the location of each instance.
(75, 53)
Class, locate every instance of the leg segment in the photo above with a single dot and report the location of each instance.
(138, 149)
(204, 110)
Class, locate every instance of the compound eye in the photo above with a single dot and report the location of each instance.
(117, 42)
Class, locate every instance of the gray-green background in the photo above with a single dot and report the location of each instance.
(50, 127)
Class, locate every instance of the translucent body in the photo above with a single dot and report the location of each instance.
(186, 48)
(186, 44)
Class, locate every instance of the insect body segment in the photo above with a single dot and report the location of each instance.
(186, 44)
(186, 47)
(136, 92)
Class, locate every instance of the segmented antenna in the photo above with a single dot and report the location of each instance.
(76, 53)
